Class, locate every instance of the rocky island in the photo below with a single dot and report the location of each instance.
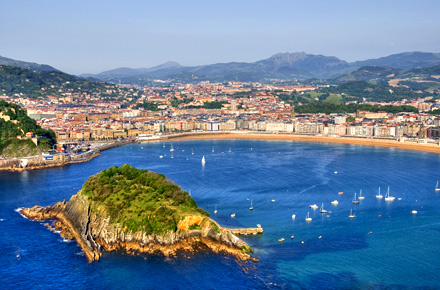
(138, 211)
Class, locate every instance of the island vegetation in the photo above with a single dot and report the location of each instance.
(140, 199)
(14, 124)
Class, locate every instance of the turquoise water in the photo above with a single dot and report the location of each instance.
(383, 247)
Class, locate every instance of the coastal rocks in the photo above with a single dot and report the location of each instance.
(78, 219)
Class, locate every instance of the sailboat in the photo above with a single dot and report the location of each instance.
(212, 149)
(388, 197)
(437, 188)
(252, 207)
(360, 197)
(351, 214)
(203, 160)
(308, 218)
(378, 195)
(172, 148)
(215, 210)
(192, 151)
(322, 210)
(230, 150)
(355, 201)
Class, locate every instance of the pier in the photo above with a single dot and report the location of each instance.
(246, 231)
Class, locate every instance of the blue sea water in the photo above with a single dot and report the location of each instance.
(383, 247)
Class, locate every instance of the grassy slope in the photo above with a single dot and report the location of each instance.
(140, 200)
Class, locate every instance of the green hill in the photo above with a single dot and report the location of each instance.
(139, 199)
(35, 84)
(13, 122)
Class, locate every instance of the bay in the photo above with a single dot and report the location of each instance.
(384, 246)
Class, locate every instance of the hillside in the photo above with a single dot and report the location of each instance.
(13, 122)
(35, 84)
(26, 65)
(139, 211)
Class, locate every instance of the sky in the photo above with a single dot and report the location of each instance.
(93, 36)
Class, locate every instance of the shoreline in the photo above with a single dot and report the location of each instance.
(428, 147)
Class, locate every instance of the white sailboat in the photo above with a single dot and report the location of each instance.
(215, 210)
(388, 197)
(360, 197)
(230, 150)
(351, 214)
(308, 218)
(437, 188)
(203, 160)
(355, 201)
(322, 210)
(252, 206)
(172, 148)
(378, 195)
(192, 151)
(212, 149)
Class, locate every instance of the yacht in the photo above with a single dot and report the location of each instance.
(360, 197)
(388, 197)
(355, 201)
(313, 206)
(414, 211)
(335, 202)
(351, 214)
(322, 210)
(378, 195)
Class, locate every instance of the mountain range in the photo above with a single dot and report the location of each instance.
(281, 66)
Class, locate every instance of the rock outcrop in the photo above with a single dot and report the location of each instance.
(95, 232)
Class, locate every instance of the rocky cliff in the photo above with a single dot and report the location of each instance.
(94, 231)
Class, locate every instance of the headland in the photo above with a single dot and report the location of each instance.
(138, 211)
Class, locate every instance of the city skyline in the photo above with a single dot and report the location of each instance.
(84, 37)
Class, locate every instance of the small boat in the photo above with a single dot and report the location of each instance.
(161, 156)
(293, 216)
(313, 206)
(230, 150)
(388, 197)
(273, 200)
(322, 210)
(351, 214)
(172, 148)
(340, 193)
(233, 215)
(355, 201)
(360, 197)
(212, 149)
(252, 207)
(336, 172)
(203, 160)
(308, 218)
(281, 240)
(292, 236)
(215, 210)
(437, 188)
(414, 212)
(335, 202)
(378, 195)
(192, 151)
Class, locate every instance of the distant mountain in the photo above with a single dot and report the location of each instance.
(403, 60)
(372, 72)
(26, 65)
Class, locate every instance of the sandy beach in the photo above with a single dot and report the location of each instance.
(434, 148)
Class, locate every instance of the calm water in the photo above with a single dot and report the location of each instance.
(384, 247)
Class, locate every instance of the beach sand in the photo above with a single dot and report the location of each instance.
(434, 148)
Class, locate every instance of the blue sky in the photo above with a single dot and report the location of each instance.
(92, 36)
